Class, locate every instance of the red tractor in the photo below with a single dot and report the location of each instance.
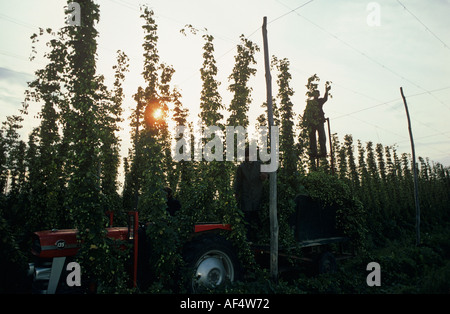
(210, 257)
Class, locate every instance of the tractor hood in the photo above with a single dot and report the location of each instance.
(64, 242)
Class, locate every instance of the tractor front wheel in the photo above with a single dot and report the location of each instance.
(326, 263)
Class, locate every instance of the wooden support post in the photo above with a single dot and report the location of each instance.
(136, 153)
(331, 147)
(273, 175)
(416, 188)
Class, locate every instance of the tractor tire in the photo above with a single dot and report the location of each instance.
(326, 263)
(211, 263)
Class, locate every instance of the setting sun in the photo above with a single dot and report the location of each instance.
(157, 114)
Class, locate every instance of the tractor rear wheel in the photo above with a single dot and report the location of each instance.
(211, 263)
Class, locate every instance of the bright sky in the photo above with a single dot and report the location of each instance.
(338, 40)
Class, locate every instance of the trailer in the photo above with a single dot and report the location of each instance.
(318, 239)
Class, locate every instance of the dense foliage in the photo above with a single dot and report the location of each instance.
(66, 175)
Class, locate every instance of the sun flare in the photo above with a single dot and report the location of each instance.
(157, 114)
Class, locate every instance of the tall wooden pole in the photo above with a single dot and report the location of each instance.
(416, 188)
(136, 154)
(331, 147)
(273, 175)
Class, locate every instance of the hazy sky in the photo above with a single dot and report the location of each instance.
(339, 40)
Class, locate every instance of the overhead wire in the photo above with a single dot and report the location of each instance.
(376, 62)
(438, 132)
(383, 103)
(381, 65)
(281, 16)
(426, 27)
(129, 6)
(269, 22)
(376, 126)
(16, 21)
(367, 56)
(390, 101)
